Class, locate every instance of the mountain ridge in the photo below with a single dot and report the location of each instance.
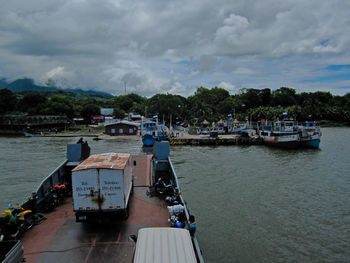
(27, 84)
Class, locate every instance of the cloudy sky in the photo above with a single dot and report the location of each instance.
(159, 46)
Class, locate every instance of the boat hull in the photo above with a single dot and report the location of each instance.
(289, 141)
(314, 143)
(148, 140)
(286, 145)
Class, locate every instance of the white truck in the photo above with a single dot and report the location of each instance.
(101, 187)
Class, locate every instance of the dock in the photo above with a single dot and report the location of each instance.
(201, 140)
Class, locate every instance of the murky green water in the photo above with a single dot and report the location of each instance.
(252, 204)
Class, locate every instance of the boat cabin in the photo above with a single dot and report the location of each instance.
(285, 126)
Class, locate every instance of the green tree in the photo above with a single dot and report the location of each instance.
(166, 105)
(204, 103)
(8, 101)
(88, 111)
(60, 105)
(284, 97)
(118, 113)
(226, 106)
(33, 102)
(265, 96)
(251, 98)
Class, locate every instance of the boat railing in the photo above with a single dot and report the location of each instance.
(48, 182)
(194, 239)
(173, 174)
(163, 164)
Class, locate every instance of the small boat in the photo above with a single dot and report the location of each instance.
(152, 131)
(283, 134)
(310, 135)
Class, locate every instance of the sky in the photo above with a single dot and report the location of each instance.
(158, 46)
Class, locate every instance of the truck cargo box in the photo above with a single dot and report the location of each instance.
(102, 184)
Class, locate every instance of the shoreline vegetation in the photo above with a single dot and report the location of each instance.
(204, 106)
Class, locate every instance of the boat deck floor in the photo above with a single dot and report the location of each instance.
(60, 239)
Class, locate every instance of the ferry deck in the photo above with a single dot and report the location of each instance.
(60, 239)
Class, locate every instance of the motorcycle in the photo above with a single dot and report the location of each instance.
(14, 222)
(60, 191)
(51, 200)
(164, 189)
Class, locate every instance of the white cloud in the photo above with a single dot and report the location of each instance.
(160, 46)
(229, 87)
(233, 29)
(56, 73)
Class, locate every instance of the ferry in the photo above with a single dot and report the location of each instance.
(283, 134)
(310, 135)
(156, 208)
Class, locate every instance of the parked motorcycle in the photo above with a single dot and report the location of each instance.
(14, 222)
(164, 189)
(8, 229)
(51, 201)
(60, 191)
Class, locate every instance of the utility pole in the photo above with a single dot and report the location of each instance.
(125, 87)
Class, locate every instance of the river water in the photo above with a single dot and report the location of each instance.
(252, 203)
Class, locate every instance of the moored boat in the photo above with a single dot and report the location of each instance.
(148, 140)
(151, 131)
(283, 134)
(310, 135)
(156, 202)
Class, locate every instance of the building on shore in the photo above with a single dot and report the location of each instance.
(122, 128)
(98, 119)
(21, 124)
(134, 117)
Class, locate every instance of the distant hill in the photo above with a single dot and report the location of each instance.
(27, 84)
(3, 84)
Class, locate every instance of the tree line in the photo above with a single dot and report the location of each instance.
(205, 104)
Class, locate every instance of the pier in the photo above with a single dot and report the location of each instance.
(201, 140)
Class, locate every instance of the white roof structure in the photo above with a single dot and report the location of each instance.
(164, 244)
(123, 122)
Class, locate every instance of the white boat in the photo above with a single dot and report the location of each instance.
(283, 134)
